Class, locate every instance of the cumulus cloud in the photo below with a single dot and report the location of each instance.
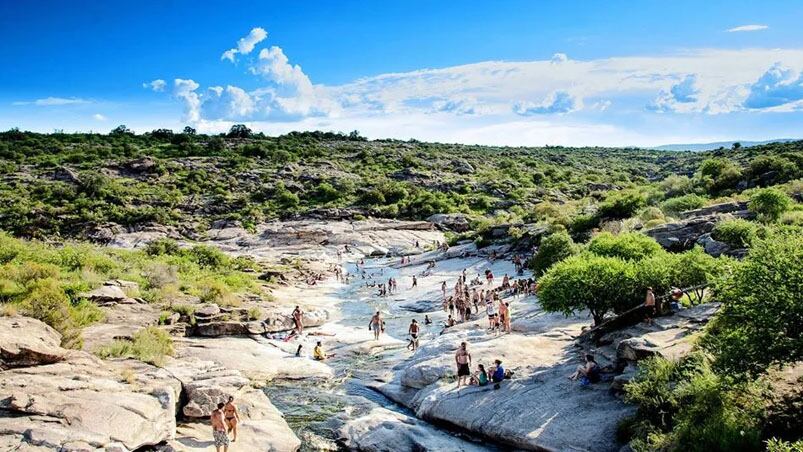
(559, 58)
(157, 85)
(751, 27)
(230, 103)
(98, 117)
(683, 92)
(246, 44)
(53, 101)
(184, 89)
(777, 87)
(557, 102)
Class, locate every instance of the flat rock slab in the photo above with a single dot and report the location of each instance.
(256, 360)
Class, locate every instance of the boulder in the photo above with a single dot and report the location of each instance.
(225, 328)
(207, 311)
(713, 247)
(461, 166)
(456, 222)
(277, 321)
(725, 207)
(382, 430)
(64, 174)
(208, 389)
(83, 403)
(106, 294)
(28, 342)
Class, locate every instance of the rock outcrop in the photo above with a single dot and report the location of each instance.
(80, 403)
(26, 342)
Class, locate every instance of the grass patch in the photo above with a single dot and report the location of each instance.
(151, 345)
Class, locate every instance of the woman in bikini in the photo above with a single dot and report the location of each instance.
(232, 418)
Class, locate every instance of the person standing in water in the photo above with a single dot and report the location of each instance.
(376, 325)
(463, 360)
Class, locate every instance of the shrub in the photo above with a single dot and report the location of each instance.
(792, 218)
(254, 313)
(769, 204)
(674, 206)
(162, 246)
(622, 204)
(737, 233)
(48, 303)
(208, 257)
(760, 322)
(651, 214)
(587, 281)
(214, 291)
(151, 345)
(777, 445)
(628, 246)
(719, 174)
(554, 248)
(684, 405)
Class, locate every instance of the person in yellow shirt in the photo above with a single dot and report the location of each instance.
(318, 354)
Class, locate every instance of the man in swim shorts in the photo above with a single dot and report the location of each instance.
(463, 360)
(219, 429)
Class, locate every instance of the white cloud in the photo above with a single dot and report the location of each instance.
(751, 27)
(157, 85)
(557, 102)
(779, 86)
(98, 117)
(246, 44)
(185, 90)
(559, 58)
(53, 101)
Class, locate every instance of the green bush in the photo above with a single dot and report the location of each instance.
(554, 248)
(685, 405)
(760, 322)
(151, 345)
(792, 218)
(769, 204)
(622, 204)
(208, 257)
(737, 233)
(628, 245)
(777, 445)
(48, 303)
(162, 246)
(587, 281)
(674, 206)
(719, 174)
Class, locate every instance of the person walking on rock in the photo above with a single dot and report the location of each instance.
(219, 435)
(463, 360)
(413, 331)
(376, 325)
(232, 417)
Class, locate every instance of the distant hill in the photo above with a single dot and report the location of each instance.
(718, 144)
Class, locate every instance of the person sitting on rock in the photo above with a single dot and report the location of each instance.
(480, 378)
(318, 354)
(498, 374)
(427, 320)
(588, 373)
(232, 417)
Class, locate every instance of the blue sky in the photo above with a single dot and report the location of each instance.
(504, 72)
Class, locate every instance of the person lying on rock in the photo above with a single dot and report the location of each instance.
(587, 373)
(232, 417)
(219, 435)
(480, 378)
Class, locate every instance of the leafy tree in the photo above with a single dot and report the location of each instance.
(188, 130)
(587, 281)
(761, 321)
(772, 169)
(719, 174)
(121, 130)
(769, 204)
(553, 248)
(162, 134)
(239, 131)
(628, 246)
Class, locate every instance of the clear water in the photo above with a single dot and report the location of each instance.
(316, 410)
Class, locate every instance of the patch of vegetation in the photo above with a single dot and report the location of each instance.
(151, 345)
(737, 233)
